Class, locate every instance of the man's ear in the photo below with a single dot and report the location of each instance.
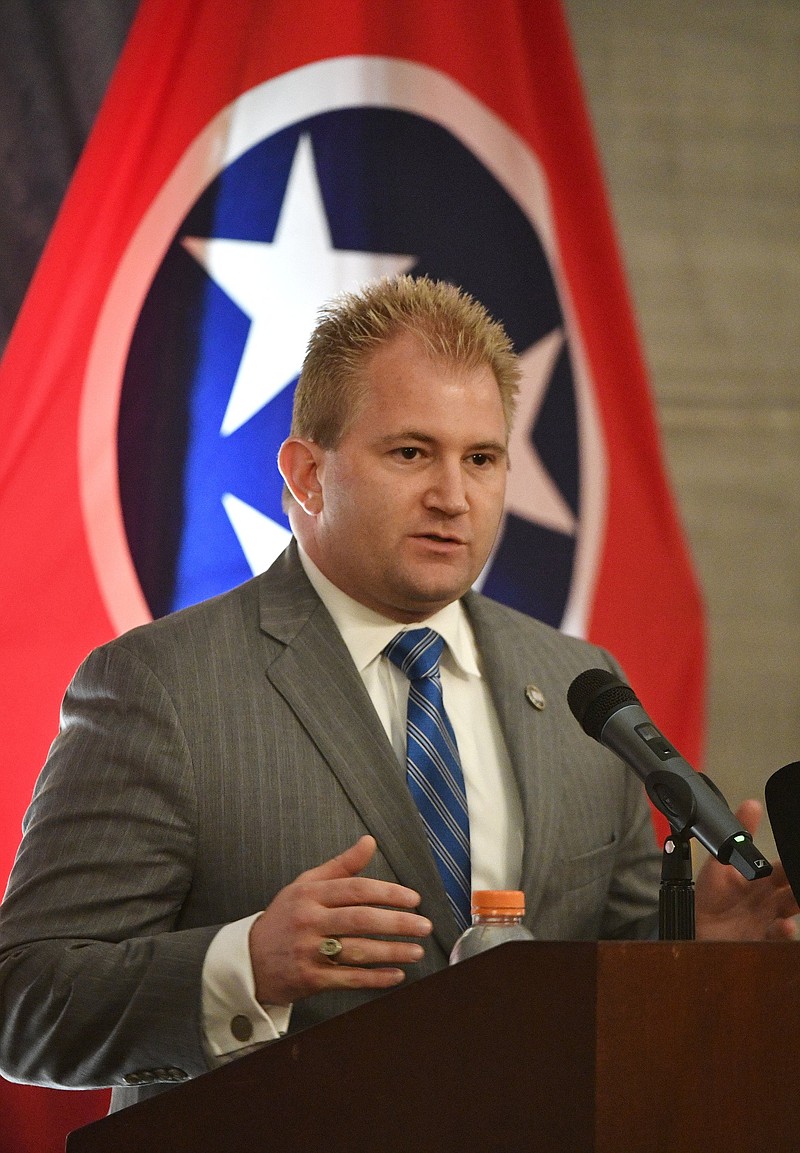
(298, 461)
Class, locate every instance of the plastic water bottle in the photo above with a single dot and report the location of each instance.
(496, 918)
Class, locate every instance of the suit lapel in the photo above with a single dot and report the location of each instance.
(315, 674)
(532, 737)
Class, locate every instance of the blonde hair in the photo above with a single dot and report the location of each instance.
(449, 324)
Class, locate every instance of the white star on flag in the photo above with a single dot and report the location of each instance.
(531, 492)
(281, 286)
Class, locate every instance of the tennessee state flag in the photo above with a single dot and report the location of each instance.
(253, 158)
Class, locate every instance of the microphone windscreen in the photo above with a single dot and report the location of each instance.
(782, 793)
(594, 695)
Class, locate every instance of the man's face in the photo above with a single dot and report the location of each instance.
(408, 504)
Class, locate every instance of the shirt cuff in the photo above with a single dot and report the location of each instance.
(233, 1020)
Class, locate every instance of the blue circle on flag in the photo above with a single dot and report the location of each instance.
(390, 182)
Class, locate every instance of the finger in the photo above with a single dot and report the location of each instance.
(346, 864)
(361, 891)
(365, 951)
(784, 890)
(784, 929)
(749, 815)
(366, 921)
(356, 977)
(310, 972)
(357, 890)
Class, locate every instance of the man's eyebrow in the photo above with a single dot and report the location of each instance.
(490, 446)
(405, 434)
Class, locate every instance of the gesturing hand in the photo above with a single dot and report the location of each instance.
(733, 909)
(333, 901)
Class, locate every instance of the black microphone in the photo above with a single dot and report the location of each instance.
(782, 794)
(609, 711)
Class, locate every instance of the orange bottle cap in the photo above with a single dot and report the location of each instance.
(498, 902)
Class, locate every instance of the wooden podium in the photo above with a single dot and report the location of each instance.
(626, 1047)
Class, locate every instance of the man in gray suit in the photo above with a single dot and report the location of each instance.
(222, 845)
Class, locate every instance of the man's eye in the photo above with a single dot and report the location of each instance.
(480, 458)
(408, 452)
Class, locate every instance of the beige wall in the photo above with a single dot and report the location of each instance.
(696, 107)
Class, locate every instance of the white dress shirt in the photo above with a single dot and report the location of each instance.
(234, 1020)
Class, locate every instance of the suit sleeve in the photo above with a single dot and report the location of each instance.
(99, 984)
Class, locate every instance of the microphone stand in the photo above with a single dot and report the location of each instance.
(676, 894)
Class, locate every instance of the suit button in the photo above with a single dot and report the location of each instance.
(242, 1028)
(140, 1077)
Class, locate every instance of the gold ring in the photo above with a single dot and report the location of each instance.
(330, 948)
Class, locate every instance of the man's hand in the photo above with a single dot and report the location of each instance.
(333, 901)
(729, 908)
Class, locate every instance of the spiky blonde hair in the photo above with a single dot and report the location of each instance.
(450, 325)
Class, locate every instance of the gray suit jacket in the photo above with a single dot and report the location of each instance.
(206, 759)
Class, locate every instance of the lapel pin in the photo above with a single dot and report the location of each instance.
(535, 696)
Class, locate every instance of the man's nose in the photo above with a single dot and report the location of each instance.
(447, 490)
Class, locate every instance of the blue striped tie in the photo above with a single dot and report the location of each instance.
(434, 770)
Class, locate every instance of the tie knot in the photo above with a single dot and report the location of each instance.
(416, 652)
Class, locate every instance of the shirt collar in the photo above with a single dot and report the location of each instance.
(367, 633)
